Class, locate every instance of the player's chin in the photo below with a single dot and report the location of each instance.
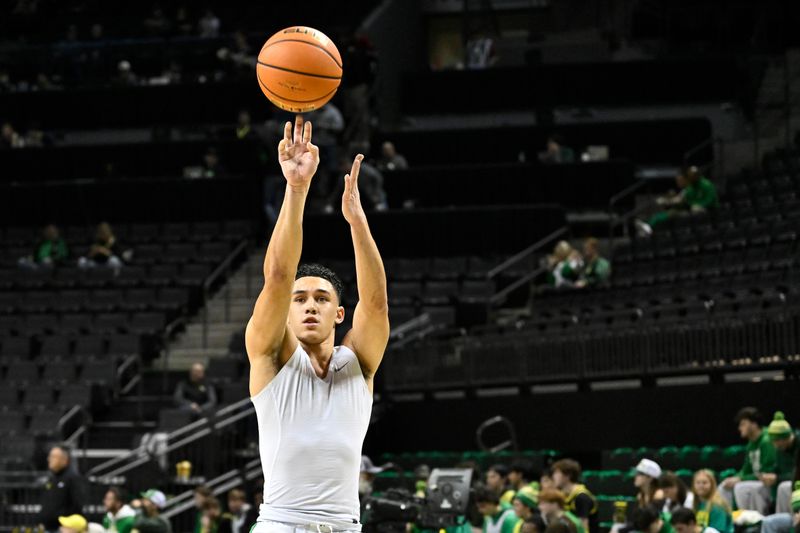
(312, 336)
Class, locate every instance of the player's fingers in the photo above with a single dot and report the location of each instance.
(282, 146)
(298, 129)
(287, 131)
(307, 132)
(347, 184)
(313, 148)
(356, 167)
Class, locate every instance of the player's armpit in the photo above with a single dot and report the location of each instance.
(268, 341)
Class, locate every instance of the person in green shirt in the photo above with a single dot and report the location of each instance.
(149, 519)
(119, 516)
(751, 488)
(497, 481)
(525, 506)
(650, 519)
(497, 517)
(787, 458)
(684, 521)
(696, 194)
(597, 269)
(710, 508)
(50, 251)
(552, 505)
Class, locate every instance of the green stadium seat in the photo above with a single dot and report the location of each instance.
(690, 457)
(668, 458)
(621, 458)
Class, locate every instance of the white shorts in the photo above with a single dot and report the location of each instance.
(267, 526)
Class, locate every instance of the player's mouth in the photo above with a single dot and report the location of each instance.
(310, 321)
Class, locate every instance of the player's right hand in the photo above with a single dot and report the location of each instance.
(298, 157)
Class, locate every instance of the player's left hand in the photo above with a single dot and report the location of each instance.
(351, 199)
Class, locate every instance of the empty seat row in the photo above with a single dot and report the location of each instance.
(94, 346)
(168, 299)
(147, 323)
(38, 396)
(21, 372)
(44, 423)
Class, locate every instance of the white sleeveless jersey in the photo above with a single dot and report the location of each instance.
(310, 435)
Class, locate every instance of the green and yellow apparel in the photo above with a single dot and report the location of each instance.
(462, 526)
(507, 497)
(121, 521)
(529, 497)
(503, 521)
(54, 250)
(759, 458)
(701, 193)
(666, 518)
(582, 503)
(785, 460)
(576, 522)
(597, 271)
(715, 516)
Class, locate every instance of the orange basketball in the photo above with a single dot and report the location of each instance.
(299, 69)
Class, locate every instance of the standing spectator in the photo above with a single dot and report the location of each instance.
(64, 491)
(522, 474)
(497, 481)
(209, 25)
(546, 479)
(578, 499)
(684, 521)
(552, 504)
(73, 524)
(149, 519)
(711, 509)
(105, 251)
(200, 495)
(497, 517)
(787, 455)
(564, 265)
(235, 520)
(751, 487)
(525, 503)
(648, 519)
(390, 159)
(119, 516)
(597, 269)
(556, 151)
(646, 481)
(673, 491)
(212, 513)
(195, 394)
(50, 251)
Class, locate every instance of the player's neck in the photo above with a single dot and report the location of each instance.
(321, 355)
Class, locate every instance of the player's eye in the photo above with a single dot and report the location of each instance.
(322, 299)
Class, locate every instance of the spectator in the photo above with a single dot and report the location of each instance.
(710, 508)
(50, 251)
(362, 67)
(64, 491)
(787, 459)
(211, 515)
(497, 481)
(552, 504)
(200, 495)
(646, 481)
(157, 23)
(208, 25)
(521, 474)
(75, 523)
(9, 138)
(497, 517)
(105, 251)
(328, 126)
(235, 520)
(119, 516)
(525, 502)
(577, 498)
(211, 167)
(546, 479)
(390, 159)
(785, 522)
(367, 476)
(559, 527)
(673, 491)
(564, 265)
(534, 524)
(195, 394)
(684, 521)
(149, 519)
(556, 151)
(751, 487)
(125, 74)
(696, 194)
(597, 269)
(370, 183)
(244, 126)
(648, 519)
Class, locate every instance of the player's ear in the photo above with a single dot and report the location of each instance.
(339, 315)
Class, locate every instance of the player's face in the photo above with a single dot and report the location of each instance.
(315, 310)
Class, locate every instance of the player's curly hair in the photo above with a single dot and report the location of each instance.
(318, 271)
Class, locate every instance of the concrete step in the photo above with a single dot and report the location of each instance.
(216, 341)
(238, 313)
(183, 358)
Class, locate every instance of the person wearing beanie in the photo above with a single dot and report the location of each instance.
(787, 457)
(498, 517)
(578, 499)
(552, 504)
(525, 507)
(752, 487)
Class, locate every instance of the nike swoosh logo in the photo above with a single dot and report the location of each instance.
(341, 367)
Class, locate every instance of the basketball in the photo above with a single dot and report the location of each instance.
(299, 69)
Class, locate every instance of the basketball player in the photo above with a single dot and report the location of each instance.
(313, 400)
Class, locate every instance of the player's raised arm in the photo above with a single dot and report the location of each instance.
(269, 343)
(370, 332)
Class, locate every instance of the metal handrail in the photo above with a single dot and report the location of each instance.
(526, 252)
(418, 321)
(165, 335)
(223, 267)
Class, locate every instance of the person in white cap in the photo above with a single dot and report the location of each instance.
(646, 481)
(149, 519)
(368, 473)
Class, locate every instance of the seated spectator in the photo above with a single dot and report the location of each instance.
(578, 500)
(105, 251)
(564, 265)
(119, 516)
(497, 517)
(673, 492)
(597, 269)
(710, 508)
(73, 524)
(646, 481)
(148, 518)
(788, 522)
(525, 503)
(552, 505)
(370, 185)
(235, 520)
(684, 521)
(244, 126)
(367, 476)
(390, 159)
(50, 251)
(200, 495)
(751, 487)
(696, 194)
(212, 513)
(212, 167)
(649, 519)
(556, 151)
(9, 138)
(195, 394)
(497, 481)
(787, 459)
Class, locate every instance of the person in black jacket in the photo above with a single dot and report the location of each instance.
(64, 492)
(195, 394)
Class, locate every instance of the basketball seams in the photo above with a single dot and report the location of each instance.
(299, 71)
(338, 64)
(264, 86)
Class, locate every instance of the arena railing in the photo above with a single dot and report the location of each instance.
(223, 269)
